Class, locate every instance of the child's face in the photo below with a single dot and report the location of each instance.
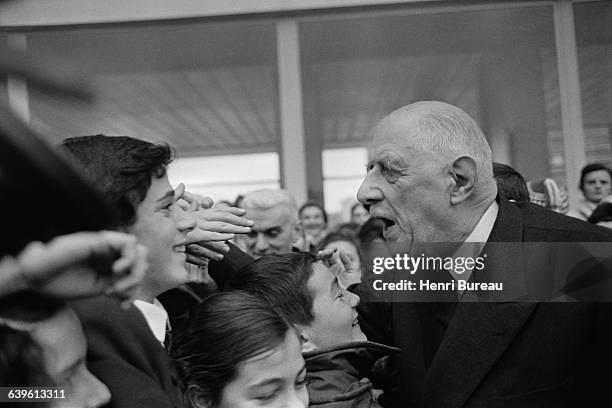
(334, 309)
(276, 378)
(162, 226)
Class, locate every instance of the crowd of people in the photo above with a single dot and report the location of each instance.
(184, 303)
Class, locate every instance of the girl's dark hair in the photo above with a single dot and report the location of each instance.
(282, 282)
(316, 205)
(226, 330)
(589, 168)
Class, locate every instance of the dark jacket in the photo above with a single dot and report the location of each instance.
(123, 353)
(505, 354)
(341, 376)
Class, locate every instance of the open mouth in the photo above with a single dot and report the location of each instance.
(387, 222)
(179, 248)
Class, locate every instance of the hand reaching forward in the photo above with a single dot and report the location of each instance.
(78, 265)
(215, 225)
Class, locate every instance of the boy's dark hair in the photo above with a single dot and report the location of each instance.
(316, 205)
(120, 167)
(282, 282)
(227, 329)
(510, 183)
(589, 168)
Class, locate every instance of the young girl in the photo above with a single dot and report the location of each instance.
(237, 352)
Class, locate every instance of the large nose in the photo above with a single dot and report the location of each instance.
(98, 393)
(368, 192)
(261, 244)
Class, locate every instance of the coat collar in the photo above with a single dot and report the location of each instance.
(479, 333)
(341, 375)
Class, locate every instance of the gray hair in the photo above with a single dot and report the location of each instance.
(447, 130)
(268, 198)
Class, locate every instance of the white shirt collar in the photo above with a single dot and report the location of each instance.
(156, 317)
(472, 246)
(483, 229)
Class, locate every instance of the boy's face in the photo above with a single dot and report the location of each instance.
(162, 226)
(334, 309)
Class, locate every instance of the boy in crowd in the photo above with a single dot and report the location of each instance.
(339, 360)
(126, 348)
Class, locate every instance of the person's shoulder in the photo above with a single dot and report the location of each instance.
(542, 224)
(104, 309)
(110, 327)
(132, 387)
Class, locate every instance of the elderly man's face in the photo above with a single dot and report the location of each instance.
(274, 232)
(406, 188)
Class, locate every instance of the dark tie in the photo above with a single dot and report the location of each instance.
(168, 338)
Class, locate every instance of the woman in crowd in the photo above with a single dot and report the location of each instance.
(595, 184)
(237, 352)
(313, 219)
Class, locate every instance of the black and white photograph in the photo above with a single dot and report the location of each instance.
(306, 203)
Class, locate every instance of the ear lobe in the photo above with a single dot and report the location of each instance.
(198, 397)
(305, 337)
(463, 171)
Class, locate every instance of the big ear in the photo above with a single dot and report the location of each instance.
(463, 171)
(305, 335)
(198, 397)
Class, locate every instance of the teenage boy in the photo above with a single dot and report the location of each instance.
(126, 348)
(304, 290)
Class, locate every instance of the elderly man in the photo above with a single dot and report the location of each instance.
(276, 227)
(430, 179)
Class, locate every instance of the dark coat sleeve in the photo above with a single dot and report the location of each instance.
(222, 271)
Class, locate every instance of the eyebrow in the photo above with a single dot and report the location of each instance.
(271, 381)
(274, 381)
(392, 158)
(267, 230)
